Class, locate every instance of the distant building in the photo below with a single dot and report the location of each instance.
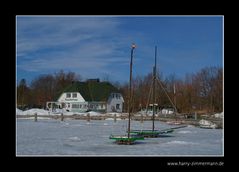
(91, 95)
(115, 102)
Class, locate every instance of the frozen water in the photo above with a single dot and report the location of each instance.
(82, 138)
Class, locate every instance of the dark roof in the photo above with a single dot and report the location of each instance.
(92, 91)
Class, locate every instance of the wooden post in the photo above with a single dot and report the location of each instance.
(114, 118)
(62, 117)
(35, 117)
(88, 117)
(142, 118)
(195, 115)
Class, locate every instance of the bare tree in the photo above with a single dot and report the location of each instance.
(43, 89)
(22, 93)
(48, 87)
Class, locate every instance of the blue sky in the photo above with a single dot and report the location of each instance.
(99, 46)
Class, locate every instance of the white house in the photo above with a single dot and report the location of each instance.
(87, 96)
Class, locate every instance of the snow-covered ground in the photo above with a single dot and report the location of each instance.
(32, 112)
(43, 112)
(219, 115)
(83, 138)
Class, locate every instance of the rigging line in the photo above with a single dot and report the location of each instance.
(133, 102)
(150, 92)
(166, 93)
(147, 105)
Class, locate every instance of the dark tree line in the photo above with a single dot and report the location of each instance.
(201, 92)
(43, 88)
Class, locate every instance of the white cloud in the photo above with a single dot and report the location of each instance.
(45, 43)
(48, 32)
(87, 45)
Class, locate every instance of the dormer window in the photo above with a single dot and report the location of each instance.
(68, 95)
(74, 95)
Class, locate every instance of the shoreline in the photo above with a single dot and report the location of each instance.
(87, 117)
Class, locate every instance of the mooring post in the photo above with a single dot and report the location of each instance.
(114, 118)
(142, 118)
(88, 117)
(35, 117)
(62, 117)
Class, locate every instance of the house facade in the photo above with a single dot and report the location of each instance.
(89, 96)
(115, 102)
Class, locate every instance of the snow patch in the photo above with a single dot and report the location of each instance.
(180, 142)
(219, 115)
(110, 119)
(19, 112)
(32, 112)
(114, 114)
(92, 113)
(184, 132)
(75, 138)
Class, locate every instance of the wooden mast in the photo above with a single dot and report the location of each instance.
(130, 87)
(154, 79)
(128, 139)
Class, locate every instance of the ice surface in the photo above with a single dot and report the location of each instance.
(82, 138)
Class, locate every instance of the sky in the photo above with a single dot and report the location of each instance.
(100, 46)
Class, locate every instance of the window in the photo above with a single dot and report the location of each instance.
(75, 106)
(117, 106)
(74, 95)
(68, 95)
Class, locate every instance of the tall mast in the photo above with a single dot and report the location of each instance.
(154, 79)
(130, 86)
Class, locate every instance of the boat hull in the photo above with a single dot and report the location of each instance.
(150, 133)
(123, 139)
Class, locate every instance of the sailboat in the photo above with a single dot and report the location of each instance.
(153, 132)
(129, 138)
